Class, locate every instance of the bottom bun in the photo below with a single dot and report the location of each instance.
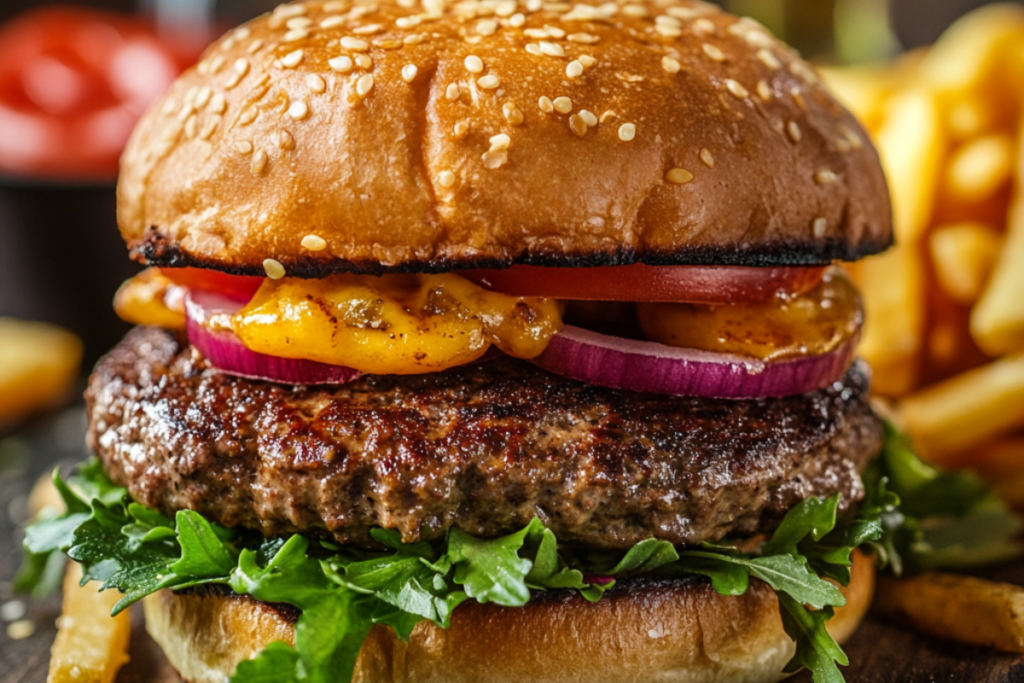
(642, 631)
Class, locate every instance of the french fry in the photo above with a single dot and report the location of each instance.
(980, 168)
(997, 322)
(970, 409)
(91, 646)
(863, 90)
(892, 286)
(38, 364)
(963, 256)
(1002, 464)
(960, 608)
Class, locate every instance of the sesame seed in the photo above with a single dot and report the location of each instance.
(274, 269)
(285, 11)
(474, 64)
(517, 20)
(500, 142)
(285, 140)
(192, 127)
(248, 116)
(295, 34)
(825, 177)
(627, 132)
(341, 64)
(407, 22)
(409, 72)
(536, 32)
(670, 65)
(803, 72)
(368, 29)
(259, 162)
(820, 227)
(335, 6)
(534, 49)
(299, 110)
(843, 145)
(853, 138)
(635, 11)
(679, 176)
(244, 147)
(446, 179)
(563, 105)
(314, 243)
(461, 129)
(713, 52)
(363, 61)
(414, 39)
(585, 38)
(364, 85)
(332, 22)
(798, 98)
(241, 66)
(588, 118)
(452, 92)
(668, 31)
(705, 156)
(316, 83)
(769, 59)
(793, 129)
(512, 113)
(667, 20)
(574, 69)
(494, 160)
(608, 115)
(736, 88)
(703, 26)
(209, 127)
(554, 31)
(203, 97)
(242, 33)
(255, 46)
(292, 59)
(551, 49)
(545, 104)
(534, 5)
(299, 22)
(764, 91)
(487, 27)
(683, 12)
(217, 64)
(488, 82)
(587, 60)
(354, 44)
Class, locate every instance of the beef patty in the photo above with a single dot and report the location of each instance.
(484, 448)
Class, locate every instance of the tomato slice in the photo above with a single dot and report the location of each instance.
(238, 287)
(681, 284)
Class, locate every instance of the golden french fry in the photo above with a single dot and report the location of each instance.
(1002, 464)
(91, 646)
(863, 90)
(38, 365)
(963, 256)
(912, 145)
(970, 409)
(893, 288)
(960, 608)
(980, 168)
(997, 322)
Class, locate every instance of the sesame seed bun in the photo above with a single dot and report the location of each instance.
(395, 136)
(642, 631)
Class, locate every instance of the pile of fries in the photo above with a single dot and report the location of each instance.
(945, 307)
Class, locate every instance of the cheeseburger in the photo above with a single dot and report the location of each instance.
(490, 341)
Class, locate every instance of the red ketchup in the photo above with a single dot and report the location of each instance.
(73, 82)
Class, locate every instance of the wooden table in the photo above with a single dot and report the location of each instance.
(880, 652)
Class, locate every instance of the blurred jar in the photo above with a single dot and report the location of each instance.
(73, 82)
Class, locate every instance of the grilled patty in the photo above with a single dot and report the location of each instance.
(484, 448)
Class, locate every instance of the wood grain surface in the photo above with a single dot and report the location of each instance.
(880, 652)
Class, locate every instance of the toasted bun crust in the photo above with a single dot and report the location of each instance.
(665, 631)
(395, 165)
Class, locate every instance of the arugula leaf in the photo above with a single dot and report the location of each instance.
(815, 648)
(491, 570)
(813, 518)
(276, 664)
(203, 554)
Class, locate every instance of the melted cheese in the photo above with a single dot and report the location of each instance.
(151, 299)
(395, 324)
(809, 325)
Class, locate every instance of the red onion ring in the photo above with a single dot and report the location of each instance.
(227, 353)
(656, 368)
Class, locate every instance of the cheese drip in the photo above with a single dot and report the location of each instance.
(393, 324)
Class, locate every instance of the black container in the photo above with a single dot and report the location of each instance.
(62, 258)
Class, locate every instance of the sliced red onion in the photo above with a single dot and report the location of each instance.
(227, 353)
(656, 368)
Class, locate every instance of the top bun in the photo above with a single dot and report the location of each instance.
(411, 137)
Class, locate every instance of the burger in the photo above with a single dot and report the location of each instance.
(490, 341)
